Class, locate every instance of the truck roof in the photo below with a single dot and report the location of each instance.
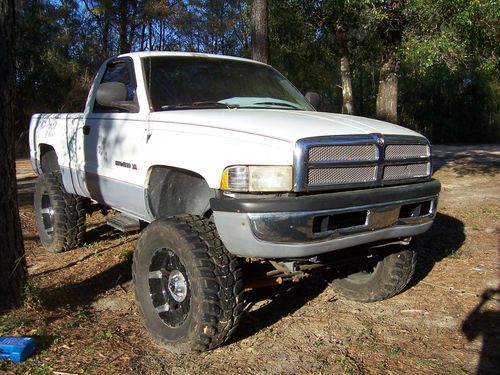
(191, 54)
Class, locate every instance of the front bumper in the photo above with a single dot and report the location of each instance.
(306, 226)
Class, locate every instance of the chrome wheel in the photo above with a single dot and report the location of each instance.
(169, 287)
(177, 285)
(47, 212)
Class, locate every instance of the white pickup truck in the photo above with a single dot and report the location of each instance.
(228, 166)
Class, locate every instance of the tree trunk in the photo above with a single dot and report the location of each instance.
(125, 45)
(345, 75)
(345, 69)
(150, 35)
(107, 9)
(143, 36)
(12, 261)
(387, 96)
(260, 37)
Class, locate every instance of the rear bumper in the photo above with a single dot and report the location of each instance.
(311, 225)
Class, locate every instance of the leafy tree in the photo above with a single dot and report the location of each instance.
(385, 20)
(301, 53)
(342, 28)
(433, 62)
(452, 69)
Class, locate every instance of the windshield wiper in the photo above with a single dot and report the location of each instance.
(278, 104)
(197, 105)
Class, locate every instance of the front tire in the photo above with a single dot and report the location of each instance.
(59, 216)
(380, 278)
(187, 286)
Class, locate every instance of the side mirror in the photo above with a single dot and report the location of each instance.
(313, 98)
(114, 95)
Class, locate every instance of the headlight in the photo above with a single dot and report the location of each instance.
(257, 178)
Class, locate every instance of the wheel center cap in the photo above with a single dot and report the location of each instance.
(177, 285)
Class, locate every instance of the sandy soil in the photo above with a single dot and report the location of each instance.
(80, 305)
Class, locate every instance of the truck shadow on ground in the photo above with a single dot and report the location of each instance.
(276, 303)
(82, 294)
(25, 194)
(102, 232)
(444, 239)
(266, 306)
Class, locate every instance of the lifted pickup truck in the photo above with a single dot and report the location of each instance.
(229, 168)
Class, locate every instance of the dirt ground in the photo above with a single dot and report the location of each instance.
(80, 304)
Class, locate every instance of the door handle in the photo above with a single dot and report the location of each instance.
(86, 130)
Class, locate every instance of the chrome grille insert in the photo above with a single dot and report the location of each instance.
(337, 176)
(364, 160)
(343, 153)
(398, 172)
(406, 151)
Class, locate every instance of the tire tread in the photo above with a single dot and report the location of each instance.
(222, 278)
(390, 277)
(69, 214)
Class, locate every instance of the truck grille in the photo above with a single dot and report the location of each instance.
(398, 172)
(393, 152)
(334, 176)
(359, 160)
(341, 153)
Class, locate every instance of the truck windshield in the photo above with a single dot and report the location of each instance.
(185, 82)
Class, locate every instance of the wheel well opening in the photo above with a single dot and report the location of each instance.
(171, 191)
(48, 159)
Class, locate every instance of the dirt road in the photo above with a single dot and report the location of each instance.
(80, 304)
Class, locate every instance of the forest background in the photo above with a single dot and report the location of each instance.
(439, 60)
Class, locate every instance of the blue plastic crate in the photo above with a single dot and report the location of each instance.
(17, 349)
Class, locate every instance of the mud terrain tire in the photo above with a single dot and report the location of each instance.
(59, 216)
(386, 277)
(188, 287)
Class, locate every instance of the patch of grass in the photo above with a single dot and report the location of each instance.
(67, 320)
(82, 315)
(341, 360)
(394, 352)
(318, 343)
(323, 363)
(90, 367)
(380, 318)
(38, 368)
(382, 366)
(126, 254)
(14, 320)
(347, 364)
(90, 350)
(203, 368)
(366, 334)
(97, 246)
(103, 334)
(32, 295)
(454, 371)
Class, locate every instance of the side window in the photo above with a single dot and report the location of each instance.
(117, 72)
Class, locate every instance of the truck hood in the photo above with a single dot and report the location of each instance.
(284, 125)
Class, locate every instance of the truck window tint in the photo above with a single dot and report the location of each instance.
(197, 79)
(117, 72)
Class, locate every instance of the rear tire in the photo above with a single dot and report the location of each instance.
(381, 279)
(59, 216)
(188, 287)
